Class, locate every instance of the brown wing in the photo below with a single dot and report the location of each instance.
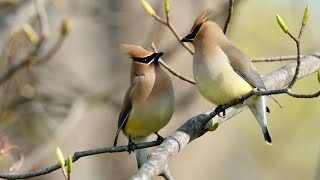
(243, 66)
(124, 113)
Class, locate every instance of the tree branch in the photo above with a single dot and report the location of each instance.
(198, 125)
(230, 11)
(77, 156)
(171, 70)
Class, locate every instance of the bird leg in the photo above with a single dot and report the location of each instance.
(131, 146)
(159, 138)
(219, 110)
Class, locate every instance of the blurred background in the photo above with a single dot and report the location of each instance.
(73, 99)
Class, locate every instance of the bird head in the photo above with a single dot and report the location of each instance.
(197, 26)
(140, 55)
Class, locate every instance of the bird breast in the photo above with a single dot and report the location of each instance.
(215, 78)
(152, 109)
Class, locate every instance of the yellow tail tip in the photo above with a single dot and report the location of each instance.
(269, 143)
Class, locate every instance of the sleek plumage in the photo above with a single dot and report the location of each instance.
(148, 104)
(222, 72)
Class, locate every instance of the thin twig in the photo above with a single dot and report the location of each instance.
(64, 172)
(39, 60)
(172, 71)
(275, 58)
(230, 11)
(172, 29)
(297, 41)
(76, 156)
(43, 18)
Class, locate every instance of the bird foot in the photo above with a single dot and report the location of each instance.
(159, 138)
(219, 110)
(131, 146)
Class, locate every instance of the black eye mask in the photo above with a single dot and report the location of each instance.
(191, 35)
(149, 59)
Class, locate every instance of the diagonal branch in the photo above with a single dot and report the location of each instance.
(198, 125)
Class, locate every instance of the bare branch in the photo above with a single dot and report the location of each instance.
(172, 29)
(230, 11)
(39, 60)
(275, 58)
(77, 156)
(297, 41)
(172, 71)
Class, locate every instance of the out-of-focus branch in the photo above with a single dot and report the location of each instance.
(275, 58)
(200, 124)
(230, 11)
(34, 56)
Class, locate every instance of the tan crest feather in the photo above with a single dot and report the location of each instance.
(203, 17)
(135, 51)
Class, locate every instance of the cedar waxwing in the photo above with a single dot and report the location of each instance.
(222, 72)
(148, 104)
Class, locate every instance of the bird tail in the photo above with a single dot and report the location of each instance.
(258, 109)
(141, 154)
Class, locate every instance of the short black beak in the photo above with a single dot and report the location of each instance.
(186, 39)
(158, 55)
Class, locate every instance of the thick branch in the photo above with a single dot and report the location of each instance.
(198, 125)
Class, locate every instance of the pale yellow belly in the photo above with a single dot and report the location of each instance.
(148, 118)
(218, 82)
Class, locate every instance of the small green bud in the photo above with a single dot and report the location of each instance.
(65, 27)
(319, 76)
(69, 165)
(60, 157)
(214, 127)
(167, 5)
(31, 34)
(281, 23)
(148, 8)
(306, 15)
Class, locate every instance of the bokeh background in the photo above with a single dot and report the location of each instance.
(73, 100)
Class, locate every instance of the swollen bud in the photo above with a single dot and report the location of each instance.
(214, 127)
(69, 165)
(31, 34)
(148, 8)
(167, 5)
(65, 27)
(281, 23)
(60, 157)
(306, 15)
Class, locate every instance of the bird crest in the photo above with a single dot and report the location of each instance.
(203, 17)
(135, 51)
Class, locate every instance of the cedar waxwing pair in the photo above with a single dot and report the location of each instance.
(221, 71)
